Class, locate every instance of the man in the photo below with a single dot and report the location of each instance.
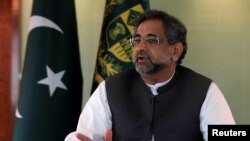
(158, 100)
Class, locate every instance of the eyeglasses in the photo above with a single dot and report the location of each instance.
(149, 40)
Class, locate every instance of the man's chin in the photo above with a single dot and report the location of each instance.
(142, 69)
(141, 63)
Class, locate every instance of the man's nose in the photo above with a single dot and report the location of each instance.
(142, 45)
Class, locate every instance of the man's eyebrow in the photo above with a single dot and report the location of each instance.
(151, 34)
(137, 35)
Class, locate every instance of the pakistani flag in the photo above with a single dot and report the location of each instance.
(115, 52)
(51, 86)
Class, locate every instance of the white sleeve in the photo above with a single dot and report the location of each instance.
(215, 110)
(95, 118)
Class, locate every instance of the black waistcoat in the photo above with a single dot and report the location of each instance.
(173, 115)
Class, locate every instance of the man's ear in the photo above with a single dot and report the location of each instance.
(177, 51)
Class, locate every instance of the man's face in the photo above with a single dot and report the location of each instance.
(151, 52)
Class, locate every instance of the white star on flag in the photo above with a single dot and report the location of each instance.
(53, 80)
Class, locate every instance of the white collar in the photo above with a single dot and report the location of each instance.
(154, 87)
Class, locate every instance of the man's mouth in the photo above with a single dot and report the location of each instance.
(141, 58)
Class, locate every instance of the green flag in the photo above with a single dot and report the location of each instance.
(51, 86)
(115, 51)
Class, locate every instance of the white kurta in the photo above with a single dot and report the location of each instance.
(95, 118)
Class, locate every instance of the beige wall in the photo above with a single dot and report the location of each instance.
(218, 39)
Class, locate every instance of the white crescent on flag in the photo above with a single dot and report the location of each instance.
(18, 115)
(39, 21)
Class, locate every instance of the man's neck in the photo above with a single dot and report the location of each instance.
(160, 76)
